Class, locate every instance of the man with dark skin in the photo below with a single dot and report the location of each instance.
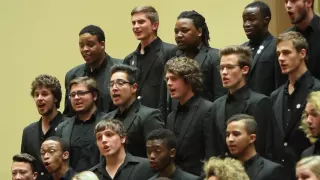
(265, 75)
(161, 150)
(306, 22)
(55, 154)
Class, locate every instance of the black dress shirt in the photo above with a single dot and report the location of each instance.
(312, 35)
(250, 161)
(234, 102)
(290, 105)
(83, 143)
(67, 176)
(122, 115)
(51, 131)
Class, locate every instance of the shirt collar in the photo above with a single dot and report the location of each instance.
(313, 25)
(96, 70)
(126, 111)
(129, 159)
(300, 82)
(239, 94)
(250, 161)
(150, 46)
(89, 121)
(186, 106)
(67, 176)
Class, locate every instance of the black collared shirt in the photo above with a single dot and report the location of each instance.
(182, 111)
(254, 44)
(312, 34)
(125, 170)
(317, 147)
(292, 101)
(143, 59)
(122, 115)
(67, 176)
(234, 102)
(179, 174)
(250, 161)
(51, 131)
(82, 144)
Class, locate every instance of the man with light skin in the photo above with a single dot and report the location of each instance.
(23, 167)
(289, 100)
(240, 138)
(46, 93)
(306, 22)
(312, 121)
(116, 163)
(149, 57)
(55, 154)
(77, 133)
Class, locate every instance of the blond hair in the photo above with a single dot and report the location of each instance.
(312, 163)
(225, 169)
(85, 175)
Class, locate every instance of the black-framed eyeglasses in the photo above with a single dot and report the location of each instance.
(78, 93)
(118, 83)
(227, 66)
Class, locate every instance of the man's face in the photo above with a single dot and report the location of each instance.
(52, 155)
(288, 57)
(122, 92)
(82, 100)
(297, 10)
(237, 138)
(253, 22)
(187, 36)
(142, 27)
(45, 101)
(22, 171)
(231, 73)
(303, 173)
(91, 49)
(313, 119)
(213, 178)
(177, 87)
(159, 155)
(109, 142)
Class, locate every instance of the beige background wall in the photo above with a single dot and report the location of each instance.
(42, 37)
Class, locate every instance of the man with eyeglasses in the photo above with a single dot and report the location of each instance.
(55, 154)
(235, 63)
(138, 120)
(78, 131)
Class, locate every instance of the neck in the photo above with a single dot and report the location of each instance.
(305, 23)
(59, 173)
(84, 116)
(247, 154)
(189, 95)
(127, 105)
(239, 86)
(47, 118)
(293, 76)
(116, 159)
(191, 52)
(146, 42)
(259, 38)
(168, 171)
(98, 63)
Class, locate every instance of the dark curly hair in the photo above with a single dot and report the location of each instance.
(188, 69)
(50, 82)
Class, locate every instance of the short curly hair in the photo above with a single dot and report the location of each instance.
(225, 169)
(188, 69)
(50, 82)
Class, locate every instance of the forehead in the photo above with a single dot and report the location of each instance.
(42, 88)
(303, 169)
(185, 22)
(87, 37)
(80, 86)
(50, 143)
(139, 16)
(252, 11)
(107, 129)
(155, 142)
(119, 75)
(310, 107)
(229, 59)
(21, 166)
(236, 125)
(285, 45)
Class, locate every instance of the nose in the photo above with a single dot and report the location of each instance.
(280, 57)
(288, 5)
(309, 120)
(104, 139)
(224, 71)
(169, 83)
(136, 25)
(152, 156)
(230, 138)
(17, 176)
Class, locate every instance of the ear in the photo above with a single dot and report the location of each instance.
(266, 20)
(245, 70)
(303, 54)
(172, 153)
(95, 96)
(253, 138)
(102, 44)
(199, 32)
(35, 175)
(134, 87)
(309, 3)
(123, 139)
(65, 155)
(155, 26)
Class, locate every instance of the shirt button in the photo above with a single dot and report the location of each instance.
(42, 173)
(226, 154)
(289, 110)
(285, 144)
(139, 97)
(282, 160)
